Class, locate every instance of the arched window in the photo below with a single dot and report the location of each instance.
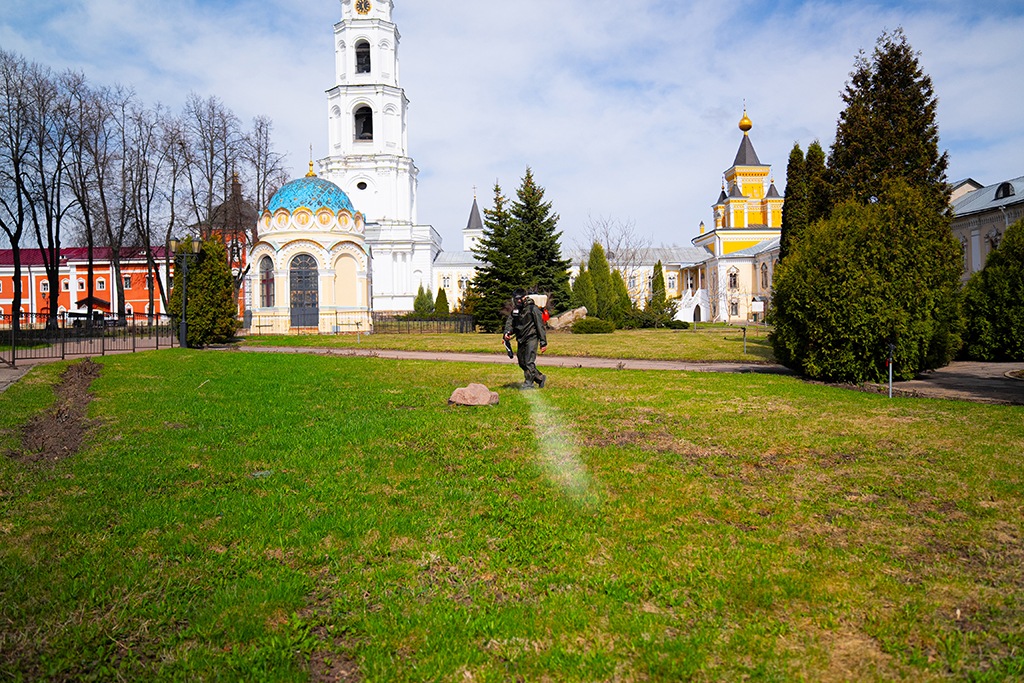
(362, 57)
(364, 123)
(764, 276)
(266, 283)
(734, 279)
(1005, 190)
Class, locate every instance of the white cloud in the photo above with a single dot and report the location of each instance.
(623, 110)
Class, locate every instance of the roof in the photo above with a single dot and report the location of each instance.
(746, 156)
(234, 211)
(984, 199)
(721, 198)
(649, 257)
(474, 218)
(457, 258)
(312, 193)
(773, 193)
(34, 257)
(735, 192)
(755, 250)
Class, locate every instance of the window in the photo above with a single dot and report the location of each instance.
(266, 283)
(128, 310)
(81, 285)
(446, 281)
(65, 285)
(764, 276)
(734, 308)
(734, 280)
(1, 286)
(364, 123)
(672, 281)
(362, 57)
(632, 281)
(101, 284)
(1005, 190)
(126, 280)
(44, 286)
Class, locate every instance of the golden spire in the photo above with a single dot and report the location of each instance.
(311, 174)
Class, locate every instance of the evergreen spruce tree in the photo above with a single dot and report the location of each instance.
(211, 309)
(423, 304)
(659, 310)
(794, 211)
(441, 303)
(546, 270)
(994, 302)
(601, 276)
(502, 253)
(888, 128)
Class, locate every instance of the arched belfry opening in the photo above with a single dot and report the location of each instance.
(364, 123)
(362, 57)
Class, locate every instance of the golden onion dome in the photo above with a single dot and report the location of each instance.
(745, 123)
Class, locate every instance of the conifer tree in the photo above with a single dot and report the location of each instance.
(501, 251)
(423, 304)
(545, 269)
(794, 211)
(994, 302)
(441, 304)
(659, 309)
(623, 304)
(601, 276)
(583, 294)
(888, 128)
(211, 309)
(816, 184)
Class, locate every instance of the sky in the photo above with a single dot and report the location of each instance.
(625, 111)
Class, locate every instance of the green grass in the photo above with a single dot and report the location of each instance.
(286, 517)
(708, 343)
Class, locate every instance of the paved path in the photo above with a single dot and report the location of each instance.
(964, 381)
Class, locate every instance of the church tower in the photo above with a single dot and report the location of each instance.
(368, 151)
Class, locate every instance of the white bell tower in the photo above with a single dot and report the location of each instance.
(368, 156)
(367, 114)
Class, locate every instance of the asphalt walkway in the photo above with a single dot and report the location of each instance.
(963, 381)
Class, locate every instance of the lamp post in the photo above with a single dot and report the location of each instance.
(186, 250)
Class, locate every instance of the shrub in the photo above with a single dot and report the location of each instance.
(994, 302)
(870, 274)
(593, 326)
(678, 325)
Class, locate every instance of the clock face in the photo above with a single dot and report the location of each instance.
(363, 6)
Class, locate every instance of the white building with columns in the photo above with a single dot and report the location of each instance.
(368, 116)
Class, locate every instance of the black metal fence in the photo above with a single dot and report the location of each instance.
(33, 336)
(406, 323)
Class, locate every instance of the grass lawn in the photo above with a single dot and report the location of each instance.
(708, 343)
(260, 517)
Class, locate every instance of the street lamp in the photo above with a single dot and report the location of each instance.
(186, 250)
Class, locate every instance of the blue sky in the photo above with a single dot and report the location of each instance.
(624, 110)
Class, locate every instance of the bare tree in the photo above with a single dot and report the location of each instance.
(624, 247)
(213, 148)
(266, 165)
(15, 140)
(174, 153)
(49, 114)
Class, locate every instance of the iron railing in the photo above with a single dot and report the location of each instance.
(408, 323)
(35, 336)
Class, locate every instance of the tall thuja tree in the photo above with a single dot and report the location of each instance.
(441, 303)
(660, 310)
(210, 309)
(601, 276)
(881, 265)
(502, 254)
(623, 304)
(818, 192)
(888, 128)
(794, 211)
(994, 302)
(546, 270)
(583, 294)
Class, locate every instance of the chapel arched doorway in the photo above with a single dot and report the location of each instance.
(696, 314)
(305, 292)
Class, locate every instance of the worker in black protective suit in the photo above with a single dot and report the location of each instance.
(527, 323)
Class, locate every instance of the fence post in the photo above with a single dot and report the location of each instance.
(63, 337)
(14, 340)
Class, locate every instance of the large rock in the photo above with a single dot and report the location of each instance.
(473, 395)
(560, 322)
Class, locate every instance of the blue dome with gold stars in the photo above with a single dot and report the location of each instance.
(312, 193)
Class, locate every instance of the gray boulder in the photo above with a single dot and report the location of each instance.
(473, 395)
(560, 322)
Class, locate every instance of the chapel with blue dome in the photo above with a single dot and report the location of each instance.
(310, 262)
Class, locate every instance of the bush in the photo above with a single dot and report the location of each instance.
(678, 325)
(593, 326)
(994, 302)
(870, 274)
